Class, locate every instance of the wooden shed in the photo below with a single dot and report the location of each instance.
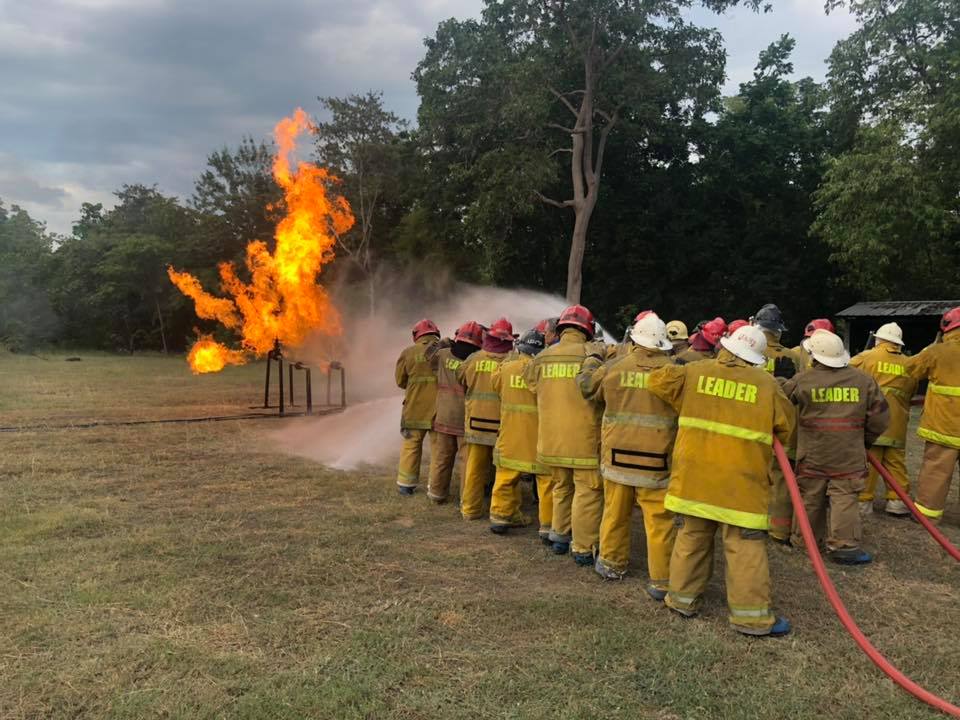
(920, 320)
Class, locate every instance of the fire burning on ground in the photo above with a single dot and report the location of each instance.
(283, 300)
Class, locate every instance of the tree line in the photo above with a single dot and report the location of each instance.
(578, 146)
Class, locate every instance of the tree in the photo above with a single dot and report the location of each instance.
(109, 283)
(26, 318)
(361, 144)
(237, 201)
(605, 63)
(889, 207)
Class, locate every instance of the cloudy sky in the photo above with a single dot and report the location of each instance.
(97, 93)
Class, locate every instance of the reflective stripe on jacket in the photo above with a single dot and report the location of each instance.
(841, 412)
(450, 406)
(638, 428)
(569, 425)
(886, 364)
(516, 447)
(940, 364)
(481, 419)
(729, 413)
(415, 376)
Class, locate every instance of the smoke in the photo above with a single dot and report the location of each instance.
(368, 431)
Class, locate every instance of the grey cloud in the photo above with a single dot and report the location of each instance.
(98, 93)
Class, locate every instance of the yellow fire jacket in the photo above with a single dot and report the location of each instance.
(805, 358)
(690, 355)
(638, 428)
(776, 350)
(415, 376)
(450, 408)
(729, 414)
(482, 407)
(886, 364)
(940, 364)
(516, 447)
(569, 424)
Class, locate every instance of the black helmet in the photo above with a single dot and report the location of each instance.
(769, 318)
(531, 343)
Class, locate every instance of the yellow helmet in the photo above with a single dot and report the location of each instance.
(677, 330)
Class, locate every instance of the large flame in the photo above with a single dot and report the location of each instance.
(283, 300)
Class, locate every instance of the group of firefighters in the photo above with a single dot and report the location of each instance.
(684, 428)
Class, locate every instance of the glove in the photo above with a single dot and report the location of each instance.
(784, 368)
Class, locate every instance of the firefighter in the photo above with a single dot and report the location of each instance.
(515, 453)
(636, 441)
(568, 436)
(679, 337)
(729, 412)
(703, 343)
(736, 325)
(940, 422)
(415, 377)
(445, 358)
(806, 362)
(886, 364)
(783, 364)
(841, 412)
(548, 328)
(482, 414)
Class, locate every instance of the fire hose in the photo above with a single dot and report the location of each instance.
(839, 608)
(921, 518)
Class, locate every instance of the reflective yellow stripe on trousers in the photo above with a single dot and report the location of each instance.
(725, 429)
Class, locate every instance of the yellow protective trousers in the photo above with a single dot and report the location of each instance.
(747, 572)
(562, 503)
(586, 511)
(936, 474)
(618, 502)
(506, 498)
(545, 507)
(781, 508)
(840, 495)
(443, 457)
(411, 452)
(895, 461)
(478, 470)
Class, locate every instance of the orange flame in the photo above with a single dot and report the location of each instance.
(208, 356)
(283, 300)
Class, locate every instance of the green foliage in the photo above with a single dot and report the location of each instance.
(888, 206)
(26, 318)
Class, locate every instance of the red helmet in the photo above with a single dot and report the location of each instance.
(950, 320)
(470, 333)
(501, 330)
(641, 315)
(579, 317)
(818, 324)
(713, 330)
(736, 325)
(425, 327)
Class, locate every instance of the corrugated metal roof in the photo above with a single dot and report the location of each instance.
(901, 308)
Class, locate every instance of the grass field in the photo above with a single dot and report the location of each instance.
(195, 571)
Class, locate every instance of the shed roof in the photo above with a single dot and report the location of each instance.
(899, 308)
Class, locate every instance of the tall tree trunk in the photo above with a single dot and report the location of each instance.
(163, 335)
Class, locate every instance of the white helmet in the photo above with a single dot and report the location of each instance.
(827, 349)
(650, 332)
(890, 332)
(747, 343)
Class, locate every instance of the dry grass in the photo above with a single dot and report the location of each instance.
(193, 571)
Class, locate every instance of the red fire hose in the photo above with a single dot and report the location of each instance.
(921, 518)
(838, 607)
